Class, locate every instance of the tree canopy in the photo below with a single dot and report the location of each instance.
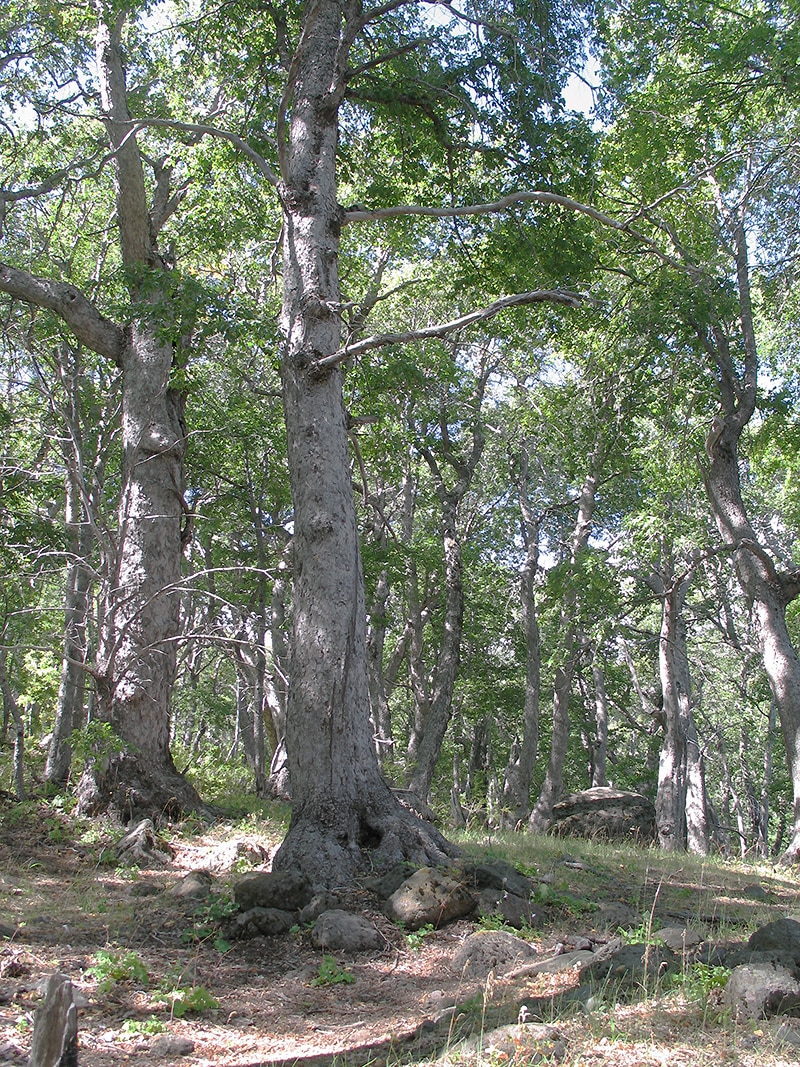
(380, 428)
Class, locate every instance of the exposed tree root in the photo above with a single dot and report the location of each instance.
(127, 789)
(336, 846)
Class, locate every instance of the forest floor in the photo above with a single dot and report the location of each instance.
(155, 984)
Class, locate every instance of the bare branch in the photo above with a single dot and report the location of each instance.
(442, 329)
(362, 214)
(212, 131)
(69, 303)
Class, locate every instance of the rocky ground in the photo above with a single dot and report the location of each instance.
(138, 953)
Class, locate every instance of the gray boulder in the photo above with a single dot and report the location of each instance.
(629, 966)
(287, 890)
(510, 909)
(782, 935)
(492, 950)
(606, 813)
(429, 897)
(761, 990)
(346, 932)
(195, 886)
(260, 922)
(497, 874)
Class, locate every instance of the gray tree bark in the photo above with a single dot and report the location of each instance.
(341, 806)
(542, 814)
(768, 585)
(136, 655)
(440, 708)
(72, 686)
(522, 756)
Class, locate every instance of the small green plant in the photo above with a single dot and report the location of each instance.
(150, 1025)
(637, 935)
(415, 938)
(700, 980)
(113, 965)
(187, 998)
(207, 918)
(96, 740)
(330, 973)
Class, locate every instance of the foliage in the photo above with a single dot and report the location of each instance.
(117, 965)
(330, 972)
(186, 999)
(416, 938)
(150, 1025)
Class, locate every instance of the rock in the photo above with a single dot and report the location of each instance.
(165, 1046)
(260, 922)
(755, 892)
(605, 813)
(286, 890)
(7, 931)
(782, 935)
(678, 938)
(614, 915)
(512, 910)
(525, 1043)
(230, 852)
(55, 1026)
(565, 961)
(761, 990)
(346, 932)
(497, 874)
(629, 965)
(389, 882)
(142, 847)
(787, 1035)
(195, 886)
(320, 902)
(492, 950)
(429, 897)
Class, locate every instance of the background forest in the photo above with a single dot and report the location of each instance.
(569, 366)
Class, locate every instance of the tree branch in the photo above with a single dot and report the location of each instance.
(89, 326)
(363, 214)
(442, 329)
(212, 131)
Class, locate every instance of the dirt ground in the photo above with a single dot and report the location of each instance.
(61, 902)
(64, 910)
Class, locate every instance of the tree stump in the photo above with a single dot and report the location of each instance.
(55, 1027)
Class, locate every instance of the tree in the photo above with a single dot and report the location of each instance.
(136, 656)
(730, 174)
(340, 802)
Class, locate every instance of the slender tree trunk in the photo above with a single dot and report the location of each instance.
(449, 653)
(11, 711)
(542, 814)
(441, 704)
(600, 744)
(340, 803)
(72, 687)
(522, 757)
(675, 690)
(767, 587)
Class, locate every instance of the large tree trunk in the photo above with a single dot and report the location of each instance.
(136, 658)
(341, 806)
